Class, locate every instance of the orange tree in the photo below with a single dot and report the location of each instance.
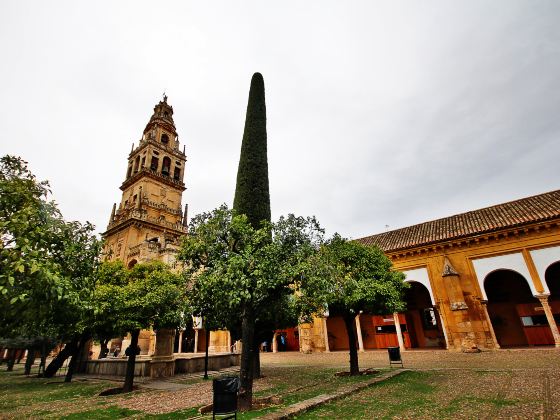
(357, 278)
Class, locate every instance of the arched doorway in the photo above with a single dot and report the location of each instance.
(552, 277)
(423, 324)
(516, 315)
(420, 324)
(337, 334)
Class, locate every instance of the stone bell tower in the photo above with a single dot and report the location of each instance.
(149, 221)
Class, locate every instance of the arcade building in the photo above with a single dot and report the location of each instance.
(485, 279)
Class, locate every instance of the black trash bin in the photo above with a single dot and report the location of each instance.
(225, 397)
(395, 356)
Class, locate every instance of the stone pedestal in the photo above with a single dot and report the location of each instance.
(163, 364)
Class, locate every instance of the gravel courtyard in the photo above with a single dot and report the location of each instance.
(521, 383)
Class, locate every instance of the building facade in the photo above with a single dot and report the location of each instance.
(484, 279)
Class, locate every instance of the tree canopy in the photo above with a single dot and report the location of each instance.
(358, 278)
(47, 265)
(147, 296)
(236, 271)
(252, 196)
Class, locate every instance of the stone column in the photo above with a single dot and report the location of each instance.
(543, 299)
(180, 342)
(359, 334)
(484, 304)
(326, 335)
(399, 332)
(195, 341)
(228, 342)
(274, 343)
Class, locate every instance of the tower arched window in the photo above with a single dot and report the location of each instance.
(177, 173)
(136, 164)
(154, 164)
(129, 172)
(166, 166)
(164, 138)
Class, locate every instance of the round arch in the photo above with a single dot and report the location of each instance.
(132, 263)
(516, 315)
(423, 323)
(552, 280)
(420, 275)
(543, 258)
(515, 262)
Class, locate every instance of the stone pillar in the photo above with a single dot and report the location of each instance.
(195, 341)
(359, 334)
(274, 343)
(180, 350)
(443, 326)
(484, 304)
(228, 342)
(163, 364)
(305, 339)
(326, 335)
(399, 332)
(543, 299)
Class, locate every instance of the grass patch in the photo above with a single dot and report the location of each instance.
(112, 412)
(19, 392)
(411, 395)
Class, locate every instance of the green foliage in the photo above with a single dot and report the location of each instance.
(46, 263)
(252, 196)
(232, 266)
(147, 296)
(359, 278)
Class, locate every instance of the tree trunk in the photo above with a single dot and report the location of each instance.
(207, 331)
(256, 357)
(11, 359)
(104, 349)
(29, 361)
(20, 354)
(76, 357)
(61, 357)
(247, 355)
(129, 378)
(351, 331)
(43, 362)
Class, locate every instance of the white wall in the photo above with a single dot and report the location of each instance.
(420, 275)
(544, 258)
(514, 262)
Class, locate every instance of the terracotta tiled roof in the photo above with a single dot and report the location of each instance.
(521, 212)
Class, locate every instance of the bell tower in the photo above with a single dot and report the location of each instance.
(149, 221)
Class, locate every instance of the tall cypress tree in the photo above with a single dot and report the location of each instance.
(252, 196)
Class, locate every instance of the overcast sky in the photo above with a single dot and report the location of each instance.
(379, 113)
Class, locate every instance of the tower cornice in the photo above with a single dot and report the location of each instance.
(146, 172)
(141, 219)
